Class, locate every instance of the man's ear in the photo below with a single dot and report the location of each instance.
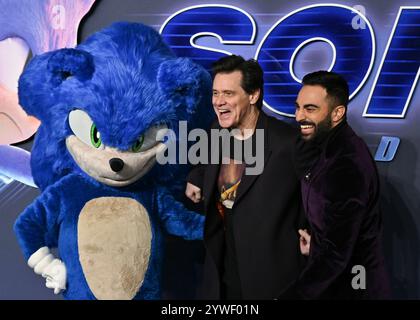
(253, 97)
(338, 113)
(184, 83)
(46, 72)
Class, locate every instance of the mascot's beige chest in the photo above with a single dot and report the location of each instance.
(114, 242)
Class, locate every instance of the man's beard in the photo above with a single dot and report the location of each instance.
(321, 129)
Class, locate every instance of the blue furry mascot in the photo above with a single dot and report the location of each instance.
(105, 202)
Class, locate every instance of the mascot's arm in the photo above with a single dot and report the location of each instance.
(37, 226)
(177, 219)
(37, 230)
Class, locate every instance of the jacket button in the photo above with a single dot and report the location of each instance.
(308, 176)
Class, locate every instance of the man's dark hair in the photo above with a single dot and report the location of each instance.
(335, 85)
(252, 74)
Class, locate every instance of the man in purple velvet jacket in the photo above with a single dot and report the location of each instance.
(340, 193)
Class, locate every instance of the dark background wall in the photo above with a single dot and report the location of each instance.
(400, 178)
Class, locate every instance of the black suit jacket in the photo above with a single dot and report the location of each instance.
(266, 216)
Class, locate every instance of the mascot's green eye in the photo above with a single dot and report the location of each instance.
(138, 144)
(95, 136)
(85, 129)
(150, 138)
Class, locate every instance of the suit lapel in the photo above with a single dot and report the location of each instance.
(209, 185)
(248, 180)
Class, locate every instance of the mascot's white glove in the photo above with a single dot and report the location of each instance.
(44, 263)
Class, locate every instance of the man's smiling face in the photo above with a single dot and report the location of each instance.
(231, 103)
(313, 111)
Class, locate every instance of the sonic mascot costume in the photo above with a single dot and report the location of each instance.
(105, 202)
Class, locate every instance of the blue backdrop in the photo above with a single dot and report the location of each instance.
(375, 45)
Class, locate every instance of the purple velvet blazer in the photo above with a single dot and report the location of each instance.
(341, 200)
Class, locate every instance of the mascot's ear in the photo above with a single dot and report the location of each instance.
(66, 63)
(184, 83)
(46, 72)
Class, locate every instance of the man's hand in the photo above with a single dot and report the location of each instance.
(193, 192)
(54, 270)
(304, 241)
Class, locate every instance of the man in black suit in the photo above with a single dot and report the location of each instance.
(252, 209)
